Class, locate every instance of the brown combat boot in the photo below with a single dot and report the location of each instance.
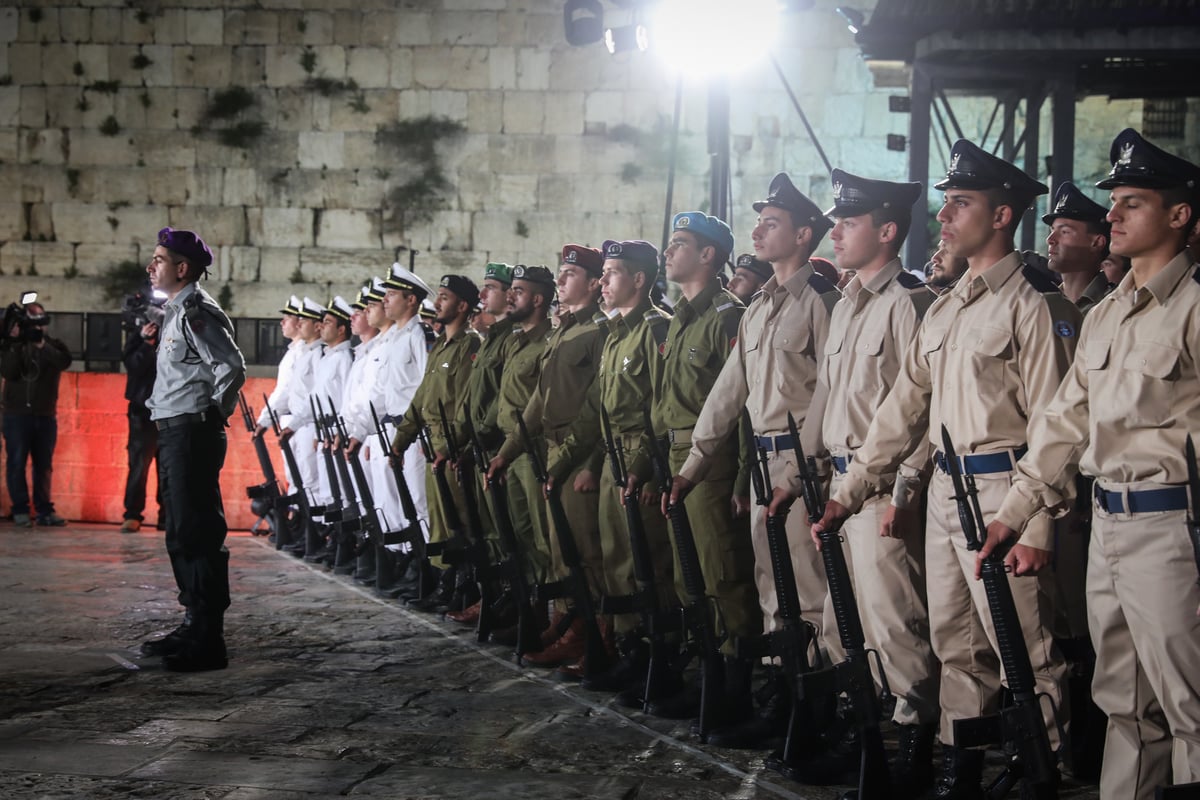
(568, 648)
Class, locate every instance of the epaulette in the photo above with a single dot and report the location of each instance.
(658, 323)
(730, 310)
(828, 293)
(908, 280)
(1038, 279)
(1196, 274)
(600, 319)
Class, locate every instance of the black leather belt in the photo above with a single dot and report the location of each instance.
(984, 463)
(182, 419)
(774, 443)
(1174, 498)
(388, 418)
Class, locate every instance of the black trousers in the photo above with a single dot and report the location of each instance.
(190, 457)
(142, 446)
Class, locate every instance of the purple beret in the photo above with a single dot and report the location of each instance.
(588, 258)
(636, 251)
(186, 244)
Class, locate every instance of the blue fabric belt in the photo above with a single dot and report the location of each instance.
(842, 463)
(389, 419)
(774, 443)
(982, 464)
(1173, 499)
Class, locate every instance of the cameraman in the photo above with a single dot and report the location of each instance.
(139, 358)
(31, 364)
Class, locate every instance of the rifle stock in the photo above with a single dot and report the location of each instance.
(411, 533)
(299, 495)
(1193, 523)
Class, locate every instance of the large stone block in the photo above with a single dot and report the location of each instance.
(564, 113)
(485, 111)
(91, 148)
(44, 146)
(92, 258)
(205, 186)
(345, 228)
(240, 187)
(44, 28)
(497, 230)
(12, 221)
(347, 28)
(319, 150)
(33, 107)
(605, 106)
(342, 266)
(413, 103)
(171, 26)
(476, 5)
(58, 61)
(533, 69)
(25, 63)
(190, 107)
(8, 24)
(217, 225)
(305, 27)
(166, 186)
(106, 25)
(205, 26)
(260, 26)
(463, 28)
(137, 26)
(15, 255)
(502, 67)
(74, 24)
(524, 112)
(378, 28)
(94, 60)
(457, 67)
(280, 227)
(369, 67)
(10, 106)
(400, 69)
(203, 66)
(379, 107)
(8, 145)
(283, 66)
(357, 189)
(844, 115)
(155, 150)
(361, 152)
(412, 28)
(451, 104)
(277, 265)
(53, 258)
(124, 185)
(522, 153)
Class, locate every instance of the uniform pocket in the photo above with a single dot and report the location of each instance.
(1152, 372)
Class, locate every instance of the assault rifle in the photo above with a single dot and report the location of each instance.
(1019, 728)
(645, 599)
(266, 500)
(791, 642)
(697, 616)
(1193, 523)
(852, 676)
(529, 638)
(456, 543)
(299, 495)
(411, 534)
(595, 655)
(348, 515)
(372, 527)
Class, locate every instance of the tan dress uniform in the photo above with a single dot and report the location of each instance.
(527, 505)
(1096, 291)
(1122, 415)
(631, 367)
(701, 334)
(558, 413)
(445, 380)
(871, 329)
(990, 352)
(771, 371)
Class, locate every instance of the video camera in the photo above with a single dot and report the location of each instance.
(29, 327)
(142, 308)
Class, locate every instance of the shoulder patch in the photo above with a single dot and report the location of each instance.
(652, 315)
(1064, 329)
(1038, 279)
(908, 280)
(724, 307)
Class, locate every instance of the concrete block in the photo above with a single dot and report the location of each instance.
(25, 63)
(345, 228)
(318, 150)
(533, 69)
(133, 29)
(280, 227)
(240, 187)
(13, 224)
(277, 265)
(412, 28)
(45, 146)
(369, 67)
(457, 68)
(171, 26)
(105, 26)
(94, 60)
(485, 111)
(463, 28)
(524, 112)
(9, 21)
(248, 65)
(53, 258)
(205, 26)
(58, 62)
(502, 67)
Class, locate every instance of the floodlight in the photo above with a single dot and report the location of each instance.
(583, 21)
(854, 18)
(708, 37)
(28, 297)
(626, 38)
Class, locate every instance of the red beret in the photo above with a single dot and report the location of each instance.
(587, 257)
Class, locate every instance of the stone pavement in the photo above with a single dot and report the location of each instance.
(330, 692)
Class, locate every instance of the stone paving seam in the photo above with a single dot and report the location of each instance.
(596, 708)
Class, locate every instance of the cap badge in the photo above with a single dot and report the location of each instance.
(1126, 157)
(837, 191)
(572, 257)
(1062, 203)
(954, 162)
(684, 221)
(614, 250)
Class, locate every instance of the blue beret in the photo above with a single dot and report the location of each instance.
(186, 244)
(706, 227)
(636, 251)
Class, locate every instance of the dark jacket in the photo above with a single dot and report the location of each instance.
(140, 368)
(31, 376)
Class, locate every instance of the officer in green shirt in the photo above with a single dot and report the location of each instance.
(699, 339)
(631, 368)
(558, 414)
(445, 380)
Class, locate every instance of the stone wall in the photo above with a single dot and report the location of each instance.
(111, 124)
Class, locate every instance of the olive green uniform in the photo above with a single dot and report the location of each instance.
(699, 338)
(526, 504)
(445, 380)
(558, 414)
(631, 368)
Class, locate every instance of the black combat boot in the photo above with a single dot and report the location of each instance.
(912, 769)
(770, 722)
(203, 648)
(962, 771)
(838, 760)
(365, 565)
(172, 641)
(441, 596)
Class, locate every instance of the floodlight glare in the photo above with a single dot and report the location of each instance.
(854, 18)
(626, 38)
(714, 37)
